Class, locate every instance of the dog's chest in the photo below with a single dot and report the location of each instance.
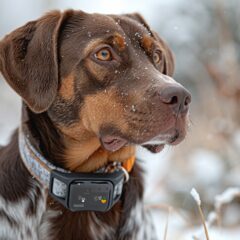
(136, 224)
(29, 219)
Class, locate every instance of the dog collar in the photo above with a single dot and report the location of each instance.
(61, 181)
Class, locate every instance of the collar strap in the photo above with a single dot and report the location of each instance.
(41, 168)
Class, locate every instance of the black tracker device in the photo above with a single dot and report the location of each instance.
(88, 191)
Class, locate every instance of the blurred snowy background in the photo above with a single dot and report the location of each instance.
(205, 37)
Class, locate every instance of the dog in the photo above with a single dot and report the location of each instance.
(93, 88)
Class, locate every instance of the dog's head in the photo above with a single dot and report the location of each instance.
(98, 75)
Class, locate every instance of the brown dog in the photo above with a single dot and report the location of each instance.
(93, 87)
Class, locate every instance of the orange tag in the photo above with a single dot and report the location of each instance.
(128, 164)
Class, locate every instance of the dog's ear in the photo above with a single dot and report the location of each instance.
(168, 58)
(29, 60)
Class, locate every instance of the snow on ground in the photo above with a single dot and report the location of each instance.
(178, 229)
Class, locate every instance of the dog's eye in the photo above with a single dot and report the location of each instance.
(157, 57)
(104, 55)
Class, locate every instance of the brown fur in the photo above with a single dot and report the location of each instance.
(95, 107)
(96, 70)
(66, 90)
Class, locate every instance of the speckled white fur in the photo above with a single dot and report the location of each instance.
(15, 223)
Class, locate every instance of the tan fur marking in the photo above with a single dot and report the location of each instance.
(87, 155)
(66, 90)
(78, 152)
(101, 157)
(119, 41)
(122, 154)
(98, 159)
(147, 43)
(76, 132)
(103, 108)
(84, 157)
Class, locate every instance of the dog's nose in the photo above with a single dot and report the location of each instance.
(177, 97)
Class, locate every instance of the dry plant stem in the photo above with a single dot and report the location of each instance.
(203, 222)
(219, 219)
(166, 226)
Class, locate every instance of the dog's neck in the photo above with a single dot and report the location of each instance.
(52, 144)
(66, 152)
(89, 155)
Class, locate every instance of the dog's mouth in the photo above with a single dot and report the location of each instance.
(157, 144)
(154, 148)
(113, 143)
